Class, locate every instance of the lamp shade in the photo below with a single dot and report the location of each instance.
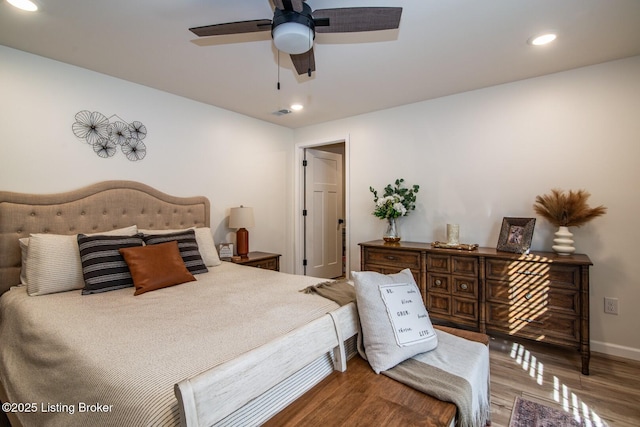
(241, 217)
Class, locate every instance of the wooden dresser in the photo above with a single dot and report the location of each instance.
(541, 296)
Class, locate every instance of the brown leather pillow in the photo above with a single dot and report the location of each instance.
(156, 266)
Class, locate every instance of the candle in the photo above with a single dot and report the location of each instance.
(453, 234)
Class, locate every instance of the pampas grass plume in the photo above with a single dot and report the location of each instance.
(567, 209)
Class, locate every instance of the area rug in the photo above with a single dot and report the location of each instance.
(531, 414)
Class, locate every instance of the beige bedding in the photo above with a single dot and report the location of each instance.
(63, 351)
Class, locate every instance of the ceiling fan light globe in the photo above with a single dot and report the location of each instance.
(27, 5)
(293, 38)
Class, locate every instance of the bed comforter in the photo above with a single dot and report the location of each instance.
(113, 359)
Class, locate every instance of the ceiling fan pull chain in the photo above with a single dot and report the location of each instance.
(278, 70)
(309, 56)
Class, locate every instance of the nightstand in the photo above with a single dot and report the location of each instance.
(264, 260)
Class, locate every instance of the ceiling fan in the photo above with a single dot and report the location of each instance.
(294, 27)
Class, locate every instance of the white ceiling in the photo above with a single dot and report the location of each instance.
(442, 47)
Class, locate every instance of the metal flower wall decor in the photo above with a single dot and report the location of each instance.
(105, 137)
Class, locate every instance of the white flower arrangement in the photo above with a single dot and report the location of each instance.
(396, 202)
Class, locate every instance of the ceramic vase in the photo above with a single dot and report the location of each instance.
(391, 235)
(563, 243)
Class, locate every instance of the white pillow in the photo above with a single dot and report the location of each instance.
(395, 323)
(24, 248)
(204, 239)
(126, 231)
(53, 263)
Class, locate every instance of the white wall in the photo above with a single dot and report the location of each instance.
(478, 156)
(483, 155)
(192, 148)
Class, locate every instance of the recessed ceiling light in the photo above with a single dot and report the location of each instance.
(27, 5)
(542, 39)
(296, 107)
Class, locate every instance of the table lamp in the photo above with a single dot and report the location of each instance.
(241, 218)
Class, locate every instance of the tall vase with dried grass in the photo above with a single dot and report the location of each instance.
(564, 210)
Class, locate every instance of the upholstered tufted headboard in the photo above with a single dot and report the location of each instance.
(100, 207)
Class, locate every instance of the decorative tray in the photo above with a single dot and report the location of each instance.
(458, 246)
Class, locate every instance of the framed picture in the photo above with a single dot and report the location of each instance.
(226, 250)
(516, 235)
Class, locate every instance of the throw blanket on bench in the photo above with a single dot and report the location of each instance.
(456, 371)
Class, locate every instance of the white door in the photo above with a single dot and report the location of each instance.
(323, 220)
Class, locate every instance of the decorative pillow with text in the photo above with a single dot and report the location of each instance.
(395, 322)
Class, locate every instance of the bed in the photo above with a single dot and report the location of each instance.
(232, 347)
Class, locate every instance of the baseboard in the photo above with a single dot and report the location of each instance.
(615, 350)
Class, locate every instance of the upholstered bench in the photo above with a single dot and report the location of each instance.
(359, 396)
(470, 335)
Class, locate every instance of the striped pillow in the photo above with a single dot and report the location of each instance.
(103, 267)
(206, 245)
(187, 245)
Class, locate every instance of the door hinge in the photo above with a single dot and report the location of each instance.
(304, 262)
(304, 163)
(304, 212)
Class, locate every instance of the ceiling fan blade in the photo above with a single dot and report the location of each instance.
(239, 27)
(352, 19)
(304, 62)
(295, 5)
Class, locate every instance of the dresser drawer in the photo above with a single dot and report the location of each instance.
(533, 323)
(539, 295)
(438, 304)
(465, 309)
(563, 276)
(267, 264)
(465, 286)
(439, 263)
(438, 283)
(467, 266)
(448, 309)
(398, 259)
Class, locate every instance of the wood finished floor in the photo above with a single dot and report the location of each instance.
(609, 396)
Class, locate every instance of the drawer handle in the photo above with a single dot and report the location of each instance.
(464, 287)
(529, 320)
(438, 282)
(530, 273)
(390, 258)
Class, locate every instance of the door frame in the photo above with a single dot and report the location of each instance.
(299, 199)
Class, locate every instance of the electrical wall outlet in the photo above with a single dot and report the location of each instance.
(611, 305)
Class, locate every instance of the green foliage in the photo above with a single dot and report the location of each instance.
(396, 201)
